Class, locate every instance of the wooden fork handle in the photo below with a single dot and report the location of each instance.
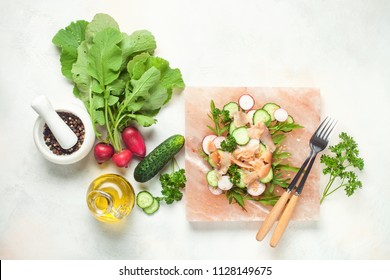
(272, 216)
(283, 221)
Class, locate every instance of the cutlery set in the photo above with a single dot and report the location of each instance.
(285, 206)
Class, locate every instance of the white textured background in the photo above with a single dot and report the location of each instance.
(341, 47)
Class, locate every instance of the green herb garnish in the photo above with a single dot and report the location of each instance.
(278, 130)
(342, 166)
(172, 184)
(229, 145)
(220, 118)
(234, 174)
(239, 195)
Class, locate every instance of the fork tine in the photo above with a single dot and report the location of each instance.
(327, 135)
(326, 129)
(323, 130)
(321, 126)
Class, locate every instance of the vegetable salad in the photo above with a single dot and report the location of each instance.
(244, 152)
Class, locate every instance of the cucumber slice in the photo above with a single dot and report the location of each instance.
(232, 107)
(271, 108)
(290, 119)
(212, 178)
(268, 177)
(144, 199)
(241, 135)
(232, 127)
(262, 115)
(241, 184)
(212, 164)
(152, 208)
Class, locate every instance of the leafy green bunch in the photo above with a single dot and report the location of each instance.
(342, 165)
(115, 74)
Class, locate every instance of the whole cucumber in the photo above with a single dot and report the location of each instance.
(158, 158)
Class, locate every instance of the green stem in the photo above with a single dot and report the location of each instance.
(343, 185)
(110, 135)
(173, 165)
(330, 183)
(90, 110)
(177, 164)
(116, 132)
(327, 187)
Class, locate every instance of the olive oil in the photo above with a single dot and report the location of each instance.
(110, 198)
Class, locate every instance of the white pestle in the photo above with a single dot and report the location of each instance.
(62, 132)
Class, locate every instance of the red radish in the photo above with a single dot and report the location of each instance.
(218, 140)
(207, 143)
(122, 158)
(103, 152)
(215, 191)
(224, 183)
(250, 114)
(256, 188)
(280, 115)
(134, 141)
(246, 102)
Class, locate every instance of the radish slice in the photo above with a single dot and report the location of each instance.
(250, 115)
(280, 115)
(224, 183)
(218, 140)
(207, 143)
(256, 188)
(215, 191)
(246, 102)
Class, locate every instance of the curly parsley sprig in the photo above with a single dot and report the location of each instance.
(342, 165)
(172, 184)
(220, 118)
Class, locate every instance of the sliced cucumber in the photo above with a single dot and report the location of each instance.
(241, 135)
(144, 199)
(290, 119)
(232, 107)
(241, 184)
(152, 208)
(268, 177)
(212, 178)
(212, 164)
(262, 115)
(271, 108)
(232, 127)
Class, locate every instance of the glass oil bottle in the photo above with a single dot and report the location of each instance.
(110, 198)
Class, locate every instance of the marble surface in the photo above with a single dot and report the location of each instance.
(340, 47)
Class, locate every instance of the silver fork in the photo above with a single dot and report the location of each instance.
(318, 143)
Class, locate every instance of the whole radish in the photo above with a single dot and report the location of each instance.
(134, 141)
(122, 158)
(103, 152)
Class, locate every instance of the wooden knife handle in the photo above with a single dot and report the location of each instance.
(272, 216)
(283, 221)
